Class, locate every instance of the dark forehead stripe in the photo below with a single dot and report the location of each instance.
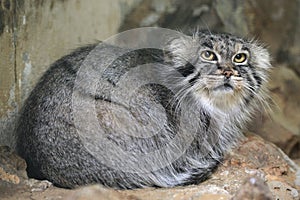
(234, 39)
(222, 41)
(207, 44)
(225, 36)
(244, 48)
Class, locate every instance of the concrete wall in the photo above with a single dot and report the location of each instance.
(34, 33)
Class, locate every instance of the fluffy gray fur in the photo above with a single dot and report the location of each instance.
(216, 97)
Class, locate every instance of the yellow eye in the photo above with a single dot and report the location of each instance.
(208, 55)
(240, 57)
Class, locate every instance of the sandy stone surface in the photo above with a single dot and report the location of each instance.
(256, 169)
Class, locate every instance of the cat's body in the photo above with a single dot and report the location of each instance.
(210, 86)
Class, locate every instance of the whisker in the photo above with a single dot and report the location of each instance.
(261, 97)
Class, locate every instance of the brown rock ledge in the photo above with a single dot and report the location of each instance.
(256, 169)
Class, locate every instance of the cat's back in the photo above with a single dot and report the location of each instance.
(48, 138)
(45, 127)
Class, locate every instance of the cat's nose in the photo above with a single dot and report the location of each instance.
(227, 73)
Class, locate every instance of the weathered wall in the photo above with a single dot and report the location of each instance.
(34, 33)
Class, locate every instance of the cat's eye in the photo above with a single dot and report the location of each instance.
(240, 58)
(209, 55)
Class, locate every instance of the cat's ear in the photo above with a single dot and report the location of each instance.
(263, 58)
(178, 50)
(260, 55)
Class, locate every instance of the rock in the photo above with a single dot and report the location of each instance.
(180, 193)
(12, 172)
(98, 192)
(283, 191)
(254, 188)
(37, 186)
(282, 125)
(12, 167)
(256, 169)
(205, 191)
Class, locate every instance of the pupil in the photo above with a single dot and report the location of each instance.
(207, 54)
(238, 56)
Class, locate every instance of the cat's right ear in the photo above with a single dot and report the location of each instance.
(178, 50)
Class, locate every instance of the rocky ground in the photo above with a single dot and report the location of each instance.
(256, 169)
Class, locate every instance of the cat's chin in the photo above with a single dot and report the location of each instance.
(224, 88)
(223, 98)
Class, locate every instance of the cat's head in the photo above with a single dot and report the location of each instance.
(220, 70)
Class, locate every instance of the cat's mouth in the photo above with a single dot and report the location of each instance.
(224, 87)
